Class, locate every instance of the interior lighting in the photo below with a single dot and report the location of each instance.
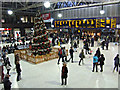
(59, 15)
(10, 12)
(22, 19)
(102, 11)
(47, 4)
(52, 26)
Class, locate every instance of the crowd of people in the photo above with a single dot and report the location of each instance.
(98, 57)
(88, 42)
(5, 64)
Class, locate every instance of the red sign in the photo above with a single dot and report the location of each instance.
(1, 29)
(45, 16)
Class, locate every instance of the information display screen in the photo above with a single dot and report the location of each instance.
(86, 23)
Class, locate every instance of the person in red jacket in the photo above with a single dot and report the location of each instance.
(64, 74)
(60, 55)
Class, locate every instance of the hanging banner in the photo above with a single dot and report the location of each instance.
(88, 23)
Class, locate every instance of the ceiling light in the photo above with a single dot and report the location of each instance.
(59, 15)
(47, 4)
(10, 12)
(102, 12)
(22, 19)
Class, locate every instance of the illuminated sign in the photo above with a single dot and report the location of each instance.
(2, 29)
(86, 23)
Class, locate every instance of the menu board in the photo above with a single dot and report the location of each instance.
(86, 23)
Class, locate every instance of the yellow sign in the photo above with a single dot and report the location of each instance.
(86, 23)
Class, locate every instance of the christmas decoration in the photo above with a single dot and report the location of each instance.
(41, 44)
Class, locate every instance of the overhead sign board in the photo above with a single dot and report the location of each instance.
(86, 23)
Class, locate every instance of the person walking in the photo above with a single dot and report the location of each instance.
(64, 56)
(78, 42)
(98, 52)
(4, 56)
(116, 63)
(75, 47)
(16, 59)
(101, 60)
(87, 48)
(60, 55)
(81, 55)
(88, 41)
(64, 74)
(92, 42)
(95, 62)
(71, 54)
(103, 44)
(18, 70)
(8, 65)
(7, 83)
(107, 44)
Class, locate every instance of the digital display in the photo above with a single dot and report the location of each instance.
(86, 23)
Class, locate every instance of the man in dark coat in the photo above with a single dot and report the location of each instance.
(98, 52)
(107, 44)
(7, 83)
(64, 74)
(78, 42)
(101, 60)
(18, 70)
(92, 42)
(60, 55)
(75, 46)
(8, 65)
(16, 58)
(81, 55)
(116, 62)
(71, 54)
(87, 48)
(103, 44)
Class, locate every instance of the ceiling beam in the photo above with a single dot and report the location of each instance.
(31, 6)
(82, 6)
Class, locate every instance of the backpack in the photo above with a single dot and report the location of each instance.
(60, 52)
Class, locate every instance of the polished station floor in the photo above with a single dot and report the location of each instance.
(48, 74)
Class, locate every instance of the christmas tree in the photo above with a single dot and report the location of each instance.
(41, 45)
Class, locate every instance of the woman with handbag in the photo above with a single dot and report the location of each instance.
(95, 62)
(101, 60)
